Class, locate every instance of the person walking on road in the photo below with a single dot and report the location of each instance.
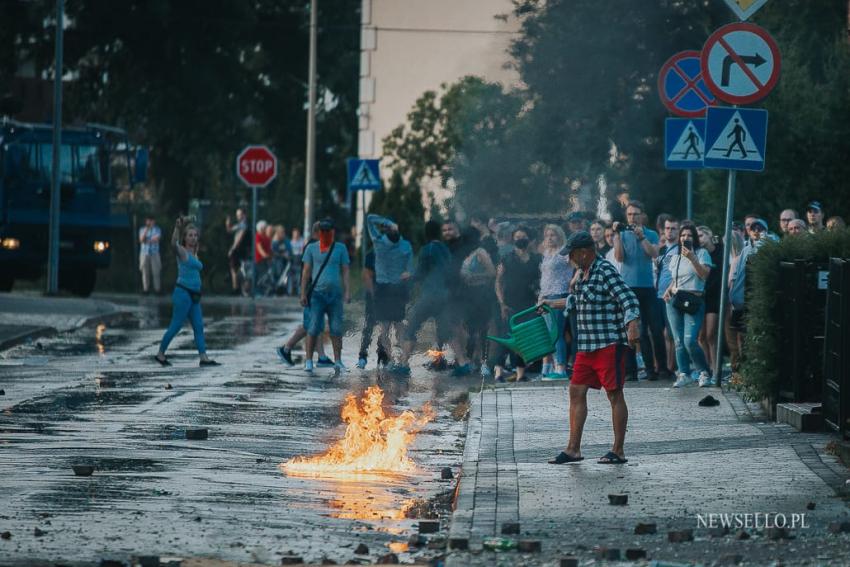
(150, 263)
(367, 276)
(393, 269)
(608, 322)
(324, 290)
(186, 298)
(239, 250)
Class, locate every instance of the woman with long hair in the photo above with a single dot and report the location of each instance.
(708, 333)
(685, 299)
(556, 271)
(186, 298)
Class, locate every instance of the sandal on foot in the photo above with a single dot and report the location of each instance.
(564, 458)
(612, 458)
(162, 361)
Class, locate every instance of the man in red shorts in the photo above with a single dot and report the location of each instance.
(607, 314)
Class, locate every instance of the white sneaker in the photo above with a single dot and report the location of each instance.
(361, 363)
(308, 366)
(705, 380)
(683, 380)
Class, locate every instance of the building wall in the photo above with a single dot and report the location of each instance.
(410, 46)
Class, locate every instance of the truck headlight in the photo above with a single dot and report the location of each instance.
(10, 243)
(101, 246)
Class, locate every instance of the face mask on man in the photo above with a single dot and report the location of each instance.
(521, 243)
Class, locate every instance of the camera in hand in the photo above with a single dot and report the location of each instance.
(623, 227)
(688, 244)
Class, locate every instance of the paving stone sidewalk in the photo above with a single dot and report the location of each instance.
(684, 461)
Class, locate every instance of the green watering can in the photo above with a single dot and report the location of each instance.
(531, 339)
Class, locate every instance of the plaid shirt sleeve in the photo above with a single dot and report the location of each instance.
(621, 293)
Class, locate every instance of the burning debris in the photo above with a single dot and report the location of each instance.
(374, 442)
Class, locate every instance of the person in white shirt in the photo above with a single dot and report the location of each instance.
(150, 263)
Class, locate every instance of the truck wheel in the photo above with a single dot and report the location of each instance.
(6, 282)
(79, 280)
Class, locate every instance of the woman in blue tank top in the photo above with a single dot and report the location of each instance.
(186, 298)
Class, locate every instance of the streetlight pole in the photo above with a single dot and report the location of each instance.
(56, 183)
(310, 165)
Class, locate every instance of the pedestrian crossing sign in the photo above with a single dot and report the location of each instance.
(684, 143)
(735, 138)
(364, 174)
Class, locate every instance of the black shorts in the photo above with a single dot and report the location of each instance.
(390, 301)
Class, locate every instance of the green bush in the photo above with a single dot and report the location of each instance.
(761, 347)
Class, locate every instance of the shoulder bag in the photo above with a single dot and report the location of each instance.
(685, 301)
(321, 269)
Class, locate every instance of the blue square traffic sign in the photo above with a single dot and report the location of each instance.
(735, 138)
(364, 174)
(684, 143)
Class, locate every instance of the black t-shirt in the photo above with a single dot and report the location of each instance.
(712, 284)
(520, 280)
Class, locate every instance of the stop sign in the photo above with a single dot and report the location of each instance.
(256, 166)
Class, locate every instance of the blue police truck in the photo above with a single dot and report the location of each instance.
(87, 224)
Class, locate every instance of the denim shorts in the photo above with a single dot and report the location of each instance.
(324, 303)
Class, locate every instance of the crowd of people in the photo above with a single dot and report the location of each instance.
(472, 280)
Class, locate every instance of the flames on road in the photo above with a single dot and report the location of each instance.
(374, 442)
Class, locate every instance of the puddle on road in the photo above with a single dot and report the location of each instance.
(67, 404)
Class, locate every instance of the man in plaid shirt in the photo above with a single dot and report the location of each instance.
(608, 322)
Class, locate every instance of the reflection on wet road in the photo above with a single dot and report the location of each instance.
(94, 397)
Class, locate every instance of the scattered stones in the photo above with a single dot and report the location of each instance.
(810, 506)
(645, 529)
(168, 386)
(362, 549)
(328, 561)
(718, 531)
(197, 434)
(291, 560)
(606, 554)
(148, 561)
(529, 546)
(111, 563)
(388, 559)
(458, 543)
(510, 528)
(569, 561)
(446, 473)
(776, 533)
(38, 533)
(429, 526)
(635, 553)
(437, 543)
(415, 540)
(6, 535)
(742, 535)
(2, 392)
(618, 499)
(731, 559)
(83, 470)
(680, 536)
(839, 527)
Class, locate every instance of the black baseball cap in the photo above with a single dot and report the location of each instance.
(327, 223)
(814, 205)
(576, 241)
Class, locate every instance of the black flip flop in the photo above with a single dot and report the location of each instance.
(208, 362)
(563, 459)
(612, 458)
(161, 361)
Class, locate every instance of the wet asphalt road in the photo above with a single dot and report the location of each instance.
(94, 397)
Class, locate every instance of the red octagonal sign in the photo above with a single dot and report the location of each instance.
(256, 166)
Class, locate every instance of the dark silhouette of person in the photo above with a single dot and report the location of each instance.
(693, 143)
(740, 137)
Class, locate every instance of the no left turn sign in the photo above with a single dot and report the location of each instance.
(740, 63)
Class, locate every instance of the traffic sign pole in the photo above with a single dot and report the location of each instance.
(254, 241)
(724, 281)
(689, 209)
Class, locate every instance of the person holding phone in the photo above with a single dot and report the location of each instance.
(685, 297)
